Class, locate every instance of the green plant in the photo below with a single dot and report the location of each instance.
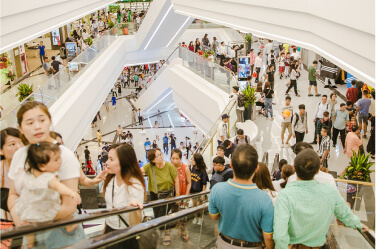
(111, 24)
(250, 95)
(24, 90)
(113, 8)
(206, 55)
(248, 38)
(89, 41)
(359, 168)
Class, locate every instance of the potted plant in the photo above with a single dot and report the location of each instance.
(110, 24)
(250, 95)
(359, 168)
(89, 41)
(248, 38)
(24, 90)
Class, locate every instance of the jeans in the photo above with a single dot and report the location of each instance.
(293, 84)
(335, 135)
(299, 136)
(268, 105)
(165, 148)
(258, 70)
(42, 56)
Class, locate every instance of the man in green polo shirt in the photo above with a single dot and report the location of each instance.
(245, 212)
(305, 208)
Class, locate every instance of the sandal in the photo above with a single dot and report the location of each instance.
(185, 237)
(167, 240)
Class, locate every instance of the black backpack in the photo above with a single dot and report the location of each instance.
(241, 100)
(237, 139)
(297, 118)
(218, 177)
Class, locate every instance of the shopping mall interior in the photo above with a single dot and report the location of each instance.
(114, 82)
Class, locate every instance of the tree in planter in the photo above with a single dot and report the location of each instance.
(24, 90)
(250, 95)
(359, 168)
(248, 38)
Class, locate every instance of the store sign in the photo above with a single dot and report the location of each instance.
(56, 37)
(71, 48)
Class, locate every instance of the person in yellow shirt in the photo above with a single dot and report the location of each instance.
(99, 137)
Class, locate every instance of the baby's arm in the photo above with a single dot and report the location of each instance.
(64, 190)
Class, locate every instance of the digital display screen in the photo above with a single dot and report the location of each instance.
(244, 67)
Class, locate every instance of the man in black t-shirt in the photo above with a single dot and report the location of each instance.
(87, 154)
(173, 141)
(55, 64)
(270, 75)
(230, 147)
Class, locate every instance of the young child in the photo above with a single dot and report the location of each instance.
(352, 122)
(324, 146)
(41, 189)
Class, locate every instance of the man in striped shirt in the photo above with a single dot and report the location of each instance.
(302, 220)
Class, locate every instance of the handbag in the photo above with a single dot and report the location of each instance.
(254, 75)
(162, 194)
(4, 192)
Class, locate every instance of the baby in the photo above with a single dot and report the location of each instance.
(41, 189)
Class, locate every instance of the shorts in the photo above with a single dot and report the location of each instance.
(281, 69)
(313, 83)
(288, 126)
(362, 118)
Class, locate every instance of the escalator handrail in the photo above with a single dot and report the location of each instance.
(129, 232)
(368, 237)
(33, 228)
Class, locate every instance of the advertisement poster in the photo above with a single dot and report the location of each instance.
(244, 67)
(56, 37)
(24, 68)
(71, 50)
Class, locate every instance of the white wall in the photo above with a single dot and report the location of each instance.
(342, 32)
(24, 20)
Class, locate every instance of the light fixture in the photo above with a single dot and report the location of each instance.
(150, 123)
(159, 101)
(159, 25)
(169, 117)
(238, 27)
(178, 31)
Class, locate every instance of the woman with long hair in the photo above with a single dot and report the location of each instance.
(197, 45)
(34, 122)
(163, 182)
(199, 179)
(286, 172)
(124, 186)
(264, 182)
(191, 47)
(260, 97)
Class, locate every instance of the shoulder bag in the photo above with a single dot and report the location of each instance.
(162, 194)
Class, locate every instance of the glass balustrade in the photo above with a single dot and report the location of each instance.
(49, 91)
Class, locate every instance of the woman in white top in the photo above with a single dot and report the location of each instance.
(9, 144)
(34, 122)
(293, 77)
(286, 172)
(264, 182)
(123, 187)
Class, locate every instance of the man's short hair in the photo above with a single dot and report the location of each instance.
(326, 114)
(353, 82)
(314, 62)
(365, 92)
(219, 160)
(53, 58)
(302, 106)
(240, 132)
(288, 97)
(307, 164)
(236, 88)
(326, 129)
(325, 96)
(221, 147)
(342, 104)
(226, 143)
(301, 146)
(349, 103)
(244, 161)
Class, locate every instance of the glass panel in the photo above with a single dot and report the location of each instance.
(52, 89)
(343, 237)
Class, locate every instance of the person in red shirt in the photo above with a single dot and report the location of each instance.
(352, 93)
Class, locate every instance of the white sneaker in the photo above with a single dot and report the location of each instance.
(194, 221)
(200, 221)
(282, 145)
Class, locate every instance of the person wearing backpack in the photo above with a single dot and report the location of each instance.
(240, 99)
(241, 138)
(222, 172)
(299, 124)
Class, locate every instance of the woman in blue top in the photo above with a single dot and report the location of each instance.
(113, 100)
(42, 52)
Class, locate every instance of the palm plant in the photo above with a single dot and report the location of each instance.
(248, 38)
(359, 168)
(24, 90)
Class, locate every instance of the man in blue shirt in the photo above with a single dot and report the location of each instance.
(147, 146)
(363, 109)
(245, 213)
(165, 144)
(42, 52)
